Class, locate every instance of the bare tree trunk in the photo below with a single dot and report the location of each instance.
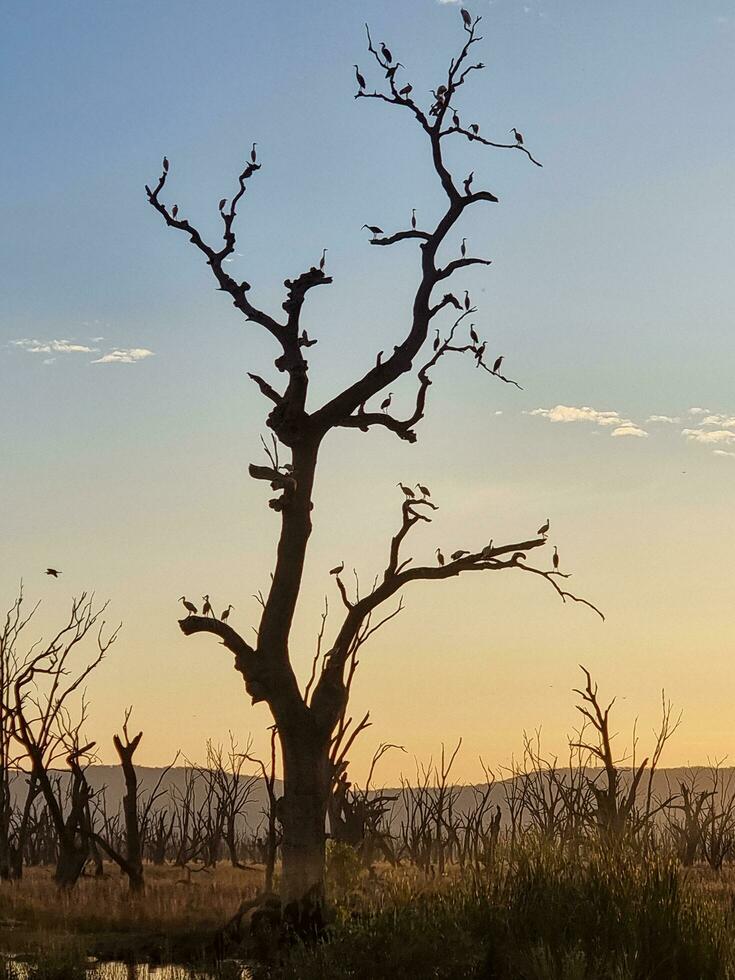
(133, 850)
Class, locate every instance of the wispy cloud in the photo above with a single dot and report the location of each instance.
(698, 411)
(671, 419)
(53, 347)
(129, 355)
(570, 413)
(723, 421)
(709, 436)
(629, 429)
(723, 452)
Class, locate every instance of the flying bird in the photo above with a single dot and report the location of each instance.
(226, 613)
(425, 492)
(466, 17)
(437, 341)
(518, 136)
(385, 404)
(337, 569)
(407, 491)
(53, 572)
(253, 155)
(555, 559)
(374, 229)
(439, 556)
(456, 555)
(468, 182)
(222, 203)
(496, 365)
(544, 529)
(359, 77)
(473, 335)
(386, 52)
(463, 248)
(207, 607)
(189, 606)
(413, 217)
(323, 259)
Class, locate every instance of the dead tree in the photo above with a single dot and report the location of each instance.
(133, 846)
(305, 726)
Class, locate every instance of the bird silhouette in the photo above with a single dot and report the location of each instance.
(323, 259)
(463, 248)
(496, 365)
(473, 335)
(53, 572)
(374, 229)
(487, 550)
(456, 555)
(165, 165)
(189, 606)
(207, 607)
(406, 90)
(466, 300)
(253, 155)
(468, 182)
(479, 353)
(455, 120)
(226, 613)
(466, 17)
(439, 556)
(518, 136)
(222, 203)
(387, 56)
(407, 491)
(451, 298)
(393, 69)
(555, 559)
(437, 341)
(413, 217)
(385, 404)
(175, 210)
(359, 77)
(425, 492)
(337, 569)
(475, 129)
(544, 529)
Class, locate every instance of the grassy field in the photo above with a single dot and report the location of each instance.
(538, 913)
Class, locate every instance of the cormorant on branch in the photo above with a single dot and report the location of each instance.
(226, 613)
(165, 165)
(463, 248)
(468, 182)
(544, 529)
(413, 218)
(323, 259)
(466, 300)
(387, 56)
(439, 556)
(555, 559)
(360, 78)
(437, 341)
(406, 90)
(473, 335)
(222, 204)
(496, 365)
(456, 555)
(253, 155)
(385, 404)
(207, 607)
(174, 210)
(466, 17)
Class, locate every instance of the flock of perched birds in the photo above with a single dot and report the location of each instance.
(206, 608)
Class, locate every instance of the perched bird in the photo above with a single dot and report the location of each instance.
(480, 352)
(555, 559)
(441, 92)
(406, 90)
(455, 120)
(385, 404)
(407, 491)
(439, 556)
(496, 365)
(323, 259)
(253, 155)
(544, 529)
(517, 555)
(189, 606)
(387, 56)
(226, 613)
(165, 165)
(437, 341)
(222, 203)
(53, 572)
(473, 335)
(468, 182)
(466, 17)
(518, 136)
(487, 550)
(466, 300)
(451, 298)
(393, 69)
(463, 248)
(413, 218)
(374, 229)
(337, 569)
(207, 607)
(425, 492)
(475, 128)
(359, 77)
(174, 210)
(456, 555)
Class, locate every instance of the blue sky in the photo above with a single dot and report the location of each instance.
(611, 291)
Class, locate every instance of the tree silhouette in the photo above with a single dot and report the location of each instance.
(307, 721)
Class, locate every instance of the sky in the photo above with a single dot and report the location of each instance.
(127, 420)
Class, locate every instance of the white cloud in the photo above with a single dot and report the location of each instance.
(699, 411)
(127, 355)
(723, 421)
(568, 413)
(54, 347)
(709, 437)
(722, 452)
(664, 418)
(629, 430)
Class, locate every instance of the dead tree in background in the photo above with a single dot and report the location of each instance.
(306, 725)
(133, 846)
